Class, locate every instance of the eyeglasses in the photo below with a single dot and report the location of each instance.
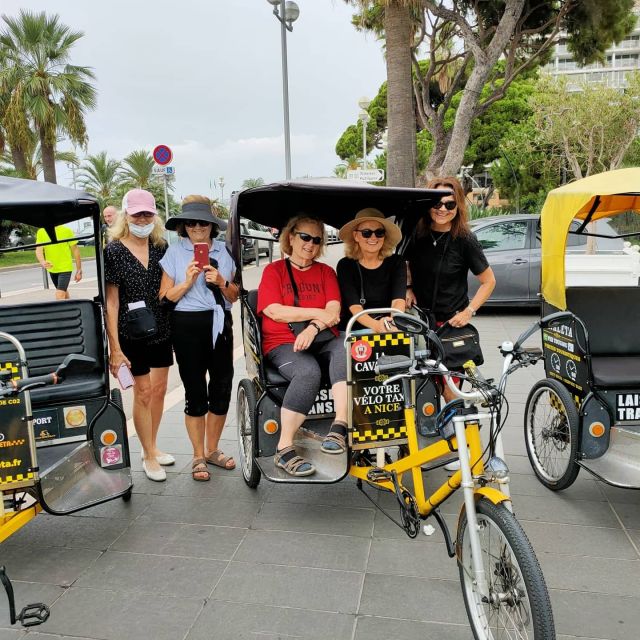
(143, 214)
(306, 237)
(192, 223)
(449, 206)
(367, 233)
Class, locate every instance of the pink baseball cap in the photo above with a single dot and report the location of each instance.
(138, 200)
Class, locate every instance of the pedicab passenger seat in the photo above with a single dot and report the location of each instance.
(272, 375)
(610, 315)
(49, 332)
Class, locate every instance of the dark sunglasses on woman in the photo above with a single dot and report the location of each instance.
(143, 214)
(306, 237)
(449, 206)
(193, 223)
(367, 233)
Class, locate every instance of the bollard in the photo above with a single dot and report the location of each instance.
(45, 278)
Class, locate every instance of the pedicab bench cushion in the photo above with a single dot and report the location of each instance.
(610, 315)
(49, 332)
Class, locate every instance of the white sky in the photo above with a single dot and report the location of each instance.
(204, 77)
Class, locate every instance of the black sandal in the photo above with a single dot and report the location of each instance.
(292, 463)
(335, 442)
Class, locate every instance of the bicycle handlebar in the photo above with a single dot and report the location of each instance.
(15, 386)
(552, 317)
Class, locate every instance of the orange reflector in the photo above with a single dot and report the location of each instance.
(428, 409)
(108, 437)
(271, 427)
(596, 429)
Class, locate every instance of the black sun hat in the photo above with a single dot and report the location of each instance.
(195, 211)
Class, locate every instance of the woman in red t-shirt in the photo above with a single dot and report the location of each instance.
(296, 357)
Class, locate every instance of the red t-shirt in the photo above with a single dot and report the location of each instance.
(317, 286)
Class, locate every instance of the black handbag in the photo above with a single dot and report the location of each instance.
(460, 344)
(141, 323)
(299, 326)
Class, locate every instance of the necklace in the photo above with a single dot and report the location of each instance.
(436, 240)
(295, 264)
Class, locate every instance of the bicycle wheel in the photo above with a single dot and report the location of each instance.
(551, 434)
(518, 606)
(246, 414)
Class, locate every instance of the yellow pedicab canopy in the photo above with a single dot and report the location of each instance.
(599, 196)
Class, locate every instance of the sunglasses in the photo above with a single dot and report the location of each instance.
(449, 206)
(367, 233)
(143, 214)
(193, 223)
(306, 237)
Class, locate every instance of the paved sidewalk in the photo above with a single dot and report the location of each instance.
(216, 560)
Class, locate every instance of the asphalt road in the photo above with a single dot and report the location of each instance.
(14, 281)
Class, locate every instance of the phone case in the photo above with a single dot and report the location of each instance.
(125, 378)
(201, 254)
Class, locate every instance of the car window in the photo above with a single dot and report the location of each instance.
(503, 236)
(572, 239)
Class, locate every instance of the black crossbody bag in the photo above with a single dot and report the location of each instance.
(298, 327)
(461, 344)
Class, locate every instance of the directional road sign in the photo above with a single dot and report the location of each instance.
(366, 175)
(162, 155)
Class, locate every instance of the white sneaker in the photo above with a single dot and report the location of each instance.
(157, 476)
(453, 466)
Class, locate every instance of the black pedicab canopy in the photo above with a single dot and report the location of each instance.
(334, 201)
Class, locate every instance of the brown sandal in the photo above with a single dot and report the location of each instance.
(218, 459)
(198, 466)
(293, 464)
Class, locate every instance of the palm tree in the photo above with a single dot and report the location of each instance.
(100, 176)
(41, 87)
(137, 169)
(249, 183)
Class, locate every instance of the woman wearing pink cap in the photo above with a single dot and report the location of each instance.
(137, 326)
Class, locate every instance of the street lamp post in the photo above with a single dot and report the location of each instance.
(287, 13)
(364, 117)
(221, 183)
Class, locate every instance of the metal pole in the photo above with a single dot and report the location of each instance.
(166, 197)
(285, 93)
(364, 143)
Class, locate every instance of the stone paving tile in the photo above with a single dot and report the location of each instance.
(315, 519)
(27, 593)
(300, 588)
(111, 615)
(12, 634)
(588, 615)
(583, 489)
(374, 628)
(153, 574)
(344, 494)
(384, 528)
(171, 539)
(118, 509)
(36, 635)
(220, 487)
(629, 513)
(236, 621)
(413, 598)
(558, 508)
(65, 531)
(49, 565)
(304, 550)
(230, 513)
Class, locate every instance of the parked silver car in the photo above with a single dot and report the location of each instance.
(261, 240)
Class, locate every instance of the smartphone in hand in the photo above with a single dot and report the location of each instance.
(125, 377)
(201, 254)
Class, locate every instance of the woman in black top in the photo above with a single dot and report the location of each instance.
(441, 254)
(132, 276)
(370, 275)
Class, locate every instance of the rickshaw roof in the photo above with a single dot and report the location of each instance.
(42, 204)
(602, 195)
(335, 201)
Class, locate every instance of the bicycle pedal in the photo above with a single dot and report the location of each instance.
(34, 614)
(377, 475)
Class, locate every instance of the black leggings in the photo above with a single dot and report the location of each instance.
(196, 355)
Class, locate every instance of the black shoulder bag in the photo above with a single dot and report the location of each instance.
(461, 344)
(298, 327)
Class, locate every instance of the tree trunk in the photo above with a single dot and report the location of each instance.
(48, 159)
(19, 162)
(401, 118)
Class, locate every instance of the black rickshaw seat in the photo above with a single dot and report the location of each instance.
(51, 331)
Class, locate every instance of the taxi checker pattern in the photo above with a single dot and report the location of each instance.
(383, 431)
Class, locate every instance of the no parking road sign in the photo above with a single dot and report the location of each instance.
(162, 155)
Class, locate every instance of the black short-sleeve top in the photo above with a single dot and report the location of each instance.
(380, 286)
(135, 284)
(459, 256)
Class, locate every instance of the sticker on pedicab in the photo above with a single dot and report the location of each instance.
(571, 368)
(555, 361)
(110, 456)
(628, 406)
(45, 424)
(75, 417)
(361, 350)
(15, 452)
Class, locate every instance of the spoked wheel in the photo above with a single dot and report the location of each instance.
(551, 434)
(246, 413)
(518, 605)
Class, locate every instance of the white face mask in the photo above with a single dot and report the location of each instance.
(141, 231)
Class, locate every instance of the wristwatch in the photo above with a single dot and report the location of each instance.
(226, 285)
(473, 311)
